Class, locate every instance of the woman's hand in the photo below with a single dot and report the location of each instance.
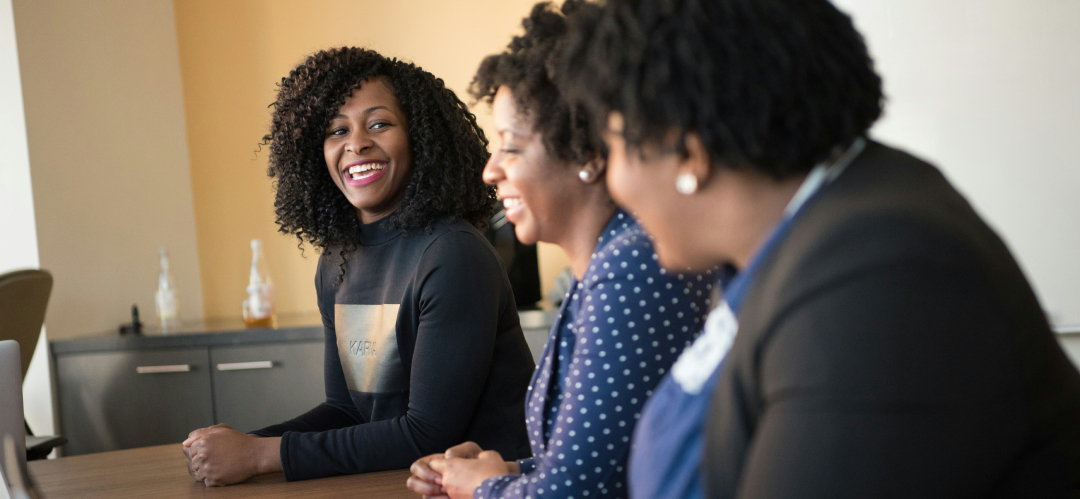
(425, 481)
(460, 477)
(220, 455)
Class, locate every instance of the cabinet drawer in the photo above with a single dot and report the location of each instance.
(259, 385)
(120, 400)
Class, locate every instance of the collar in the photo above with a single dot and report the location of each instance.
(822, 174)
(377, 232)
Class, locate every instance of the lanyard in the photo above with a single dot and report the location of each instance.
(822, 174)
(700, 361)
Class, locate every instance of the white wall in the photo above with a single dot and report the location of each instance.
(989, 91)
(17, 212)
(108, 148)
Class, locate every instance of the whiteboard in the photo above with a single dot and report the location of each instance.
(989, 92)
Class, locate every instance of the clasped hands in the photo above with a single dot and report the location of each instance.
(220, 455)
(456, 473)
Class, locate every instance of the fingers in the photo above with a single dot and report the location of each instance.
(191, 437)
(202, 432)
(187, 458)
(424, 488)
(422, 471)
(196, 435)
(203, 471)
(491, 455)
(198, 470)
(438, 465)
(195, 448)
(467, 450)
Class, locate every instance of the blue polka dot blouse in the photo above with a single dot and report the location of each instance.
(618, 332)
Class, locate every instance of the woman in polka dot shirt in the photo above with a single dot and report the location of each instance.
(621, 326)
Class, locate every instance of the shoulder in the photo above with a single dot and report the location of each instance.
(623, 252)
(889, 208)
(455, 243)
(896, 230)
(625, 256)
(451, 236)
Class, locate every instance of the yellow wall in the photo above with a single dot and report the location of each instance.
(232, 54)
(108, 158)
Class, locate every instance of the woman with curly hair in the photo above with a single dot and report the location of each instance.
(378, 165)
(624, 320)
(878, 340)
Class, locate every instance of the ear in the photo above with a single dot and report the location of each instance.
(696, 161)
(595, 168)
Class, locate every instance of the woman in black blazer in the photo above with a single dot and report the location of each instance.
(885, 342)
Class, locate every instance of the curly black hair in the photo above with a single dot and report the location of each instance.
(448, 149)
(771, 85)
(529, 68)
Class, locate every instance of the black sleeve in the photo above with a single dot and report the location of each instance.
(891, 379)
(338, 411)
(461, 295)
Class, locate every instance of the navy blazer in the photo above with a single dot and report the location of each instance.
(891, 347)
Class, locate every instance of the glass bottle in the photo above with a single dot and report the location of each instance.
(259, 305)
(166, 300)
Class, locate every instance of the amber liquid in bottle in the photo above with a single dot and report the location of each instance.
(259, 305)
(263, 322)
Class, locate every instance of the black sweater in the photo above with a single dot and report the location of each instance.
(423, 351)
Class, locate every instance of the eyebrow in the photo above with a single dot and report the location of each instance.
(512, 131)
(366, 111)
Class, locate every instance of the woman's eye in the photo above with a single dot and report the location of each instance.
(510, 150)
(379, 124)
(338, 131)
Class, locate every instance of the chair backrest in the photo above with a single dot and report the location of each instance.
(24, 296)
(11, 405)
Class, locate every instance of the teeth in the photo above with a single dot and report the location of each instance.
(366, 167)
(511, 203)
(365, 170)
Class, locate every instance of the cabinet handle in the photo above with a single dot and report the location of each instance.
(178, 368)
(244, 366)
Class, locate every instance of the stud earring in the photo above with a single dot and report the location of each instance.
(686, 183)
(584, 175)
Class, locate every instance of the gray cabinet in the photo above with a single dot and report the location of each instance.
(119, 400)
(119, 392)
(259, 385)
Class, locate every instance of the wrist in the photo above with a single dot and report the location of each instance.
(267, 455)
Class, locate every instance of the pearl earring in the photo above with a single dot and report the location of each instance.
(686, 183)
(584, 175)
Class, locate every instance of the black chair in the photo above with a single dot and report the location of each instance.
(24, 296)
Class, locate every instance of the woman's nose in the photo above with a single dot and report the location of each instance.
(493, 173)
(358, 143)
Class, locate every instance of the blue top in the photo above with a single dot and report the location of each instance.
(669, 439)
(617, 333)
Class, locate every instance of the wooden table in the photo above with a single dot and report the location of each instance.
(160, 472)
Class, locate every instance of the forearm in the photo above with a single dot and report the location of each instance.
(266, 454)
(376, 446)
(322, 418)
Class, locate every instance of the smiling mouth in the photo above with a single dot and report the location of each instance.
(512, 203)
(366, 170)
(513, 207)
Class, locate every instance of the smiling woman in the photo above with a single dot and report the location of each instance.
(368, 142)
(379, 166)
(622, 323)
